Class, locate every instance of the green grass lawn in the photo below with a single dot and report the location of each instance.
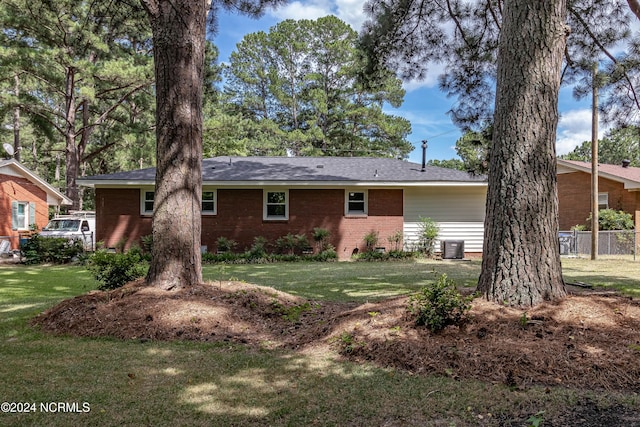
(348, 281)
(617, 274)
(130, 383)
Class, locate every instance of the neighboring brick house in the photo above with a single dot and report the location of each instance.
(618, 188)
(24, 200)
(245, 197)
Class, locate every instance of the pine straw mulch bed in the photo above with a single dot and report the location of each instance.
(588, 340)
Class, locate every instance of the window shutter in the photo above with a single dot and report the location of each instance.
(14, 215)
(32, 214)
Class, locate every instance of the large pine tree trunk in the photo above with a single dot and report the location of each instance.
(71, 151)
(521, 262)
(179, 41)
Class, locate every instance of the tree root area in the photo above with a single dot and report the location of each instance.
(588, 340)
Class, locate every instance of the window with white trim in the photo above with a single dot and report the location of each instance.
(355, 202)
(603, 201)
(23, 215)
(208, 202)
(276, 204)
(148, 197)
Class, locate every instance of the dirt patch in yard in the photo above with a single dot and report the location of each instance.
(589, 341)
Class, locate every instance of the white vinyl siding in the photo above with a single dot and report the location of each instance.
(459, 212)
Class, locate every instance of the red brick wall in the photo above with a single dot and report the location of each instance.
(13, 188)
(118, 217)
(240, 211)
(574, 198)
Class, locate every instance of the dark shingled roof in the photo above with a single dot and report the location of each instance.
(305, 169)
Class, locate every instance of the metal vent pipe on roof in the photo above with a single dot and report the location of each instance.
(626, 163)
(424, 155)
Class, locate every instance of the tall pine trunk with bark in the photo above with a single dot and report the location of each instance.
(521, 262)
(179, 45)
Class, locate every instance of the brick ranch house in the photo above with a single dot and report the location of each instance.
(24, 201)
(618, 188)
(246, 197)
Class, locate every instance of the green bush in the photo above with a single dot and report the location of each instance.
(395, 240)
(292, 244)
(321, 237)
(328, 254)
(427, 233)
(371, 240)
(113, 270)
(225, 245)
(57, 250)
(147, 243)
(439, 305)
(258, 249)
(610, 219)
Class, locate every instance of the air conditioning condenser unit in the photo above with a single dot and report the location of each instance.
(452, 249)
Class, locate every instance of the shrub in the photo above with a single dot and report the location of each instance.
(114, 270)
(258, 249)
(371, 240)
(225, 245)
(57, 250)
(610, 219)
(321, 237)
(328, 254)
(427, 233)
(439, 305)
(147, 243)
(286, 244)
(396, 240)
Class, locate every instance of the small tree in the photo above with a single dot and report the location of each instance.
(396, 240)
(427, 233)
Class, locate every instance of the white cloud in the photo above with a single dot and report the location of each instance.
(430, 81)
(313, 9)
(298, 10)
(574, 128)
(349, 11)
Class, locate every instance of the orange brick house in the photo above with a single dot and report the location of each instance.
(24, 201)
(246, 197)
(618, 188)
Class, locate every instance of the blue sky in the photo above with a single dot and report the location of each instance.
(425, 106)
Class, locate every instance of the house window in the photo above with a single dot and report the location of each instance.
(603, 201)
(208, 202)
(23, 215)
(147, 201)
(356, 203)
(275, 204)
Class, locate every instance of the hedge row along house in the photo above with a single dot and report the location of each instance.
(246, 197)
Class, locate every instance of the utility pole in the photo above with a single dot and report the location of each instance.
(595, 226)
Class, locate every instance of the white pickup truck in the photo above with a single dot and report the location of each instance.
(80, 225)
